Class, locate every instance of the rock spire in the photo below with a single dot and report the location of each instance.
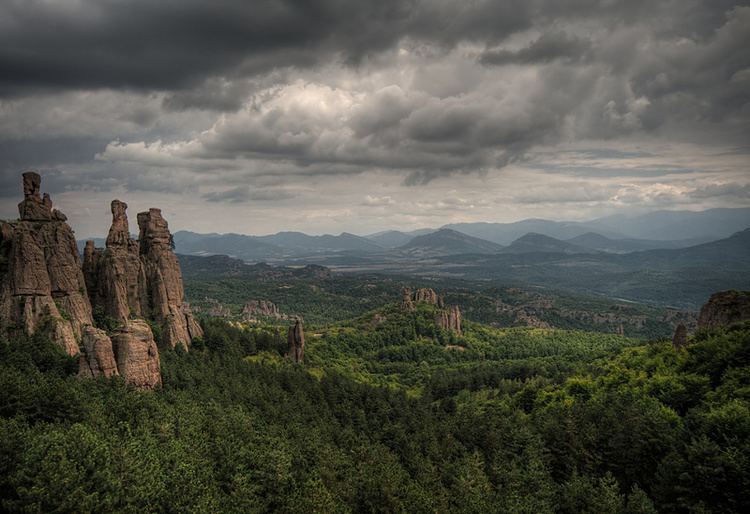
(296, 342)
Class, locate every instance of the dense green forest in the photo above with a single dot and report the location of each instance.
(386, 419)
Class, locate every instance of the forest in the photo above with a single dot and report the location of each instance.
(385, 419)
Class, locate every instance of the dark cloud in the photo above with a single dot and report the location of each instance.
(239, 102)
(550, 46)
(242, 194)
(179, 44)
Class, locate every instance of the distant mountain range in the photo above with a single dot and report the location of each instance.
(618, 234)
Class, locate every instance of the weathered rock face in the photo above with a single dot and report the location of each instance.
(41, 272)
(97, 358)
(450, 319)
(296, 341)
(407, 303)
(164, 281)
(679, 340)
(136, 355)
(254, 308)
(429, 296)
(140, 279)
(725, 308)
(114, 276)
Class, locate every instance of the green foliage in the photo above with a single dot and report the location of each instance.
(522, 420)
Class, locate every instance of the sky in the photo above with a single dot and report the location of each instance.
(326, 116)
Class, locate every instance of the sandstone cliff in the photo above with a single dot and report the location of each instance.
(42, 278)
(449, 319)
(725, 308)
(140, 279)
(44, 285)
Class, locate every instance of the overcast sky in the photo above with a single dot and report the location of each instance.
(362, 115)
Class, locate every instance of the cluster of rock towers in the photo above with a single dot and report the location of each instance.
(136, 284)
(447, 317)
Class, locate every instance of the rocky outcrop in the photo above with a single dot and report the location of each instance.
(407, 302)
(136, 355)
(428, 296)
(679, 339)
(98, 357)
(449, 319)
(114, 275)
(164, 281)
(140, 279)
(296, 342)
(264, 308)
(725, 308)
(421, 295)
(44, 285)
(42, 282)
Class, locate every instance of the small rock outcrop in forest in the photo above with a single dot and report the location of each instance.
(254, 308)
(44, 285)
(140, 279)
(448, 318)
(41, 280)
(725, 308)
(296, 342)
(679, 340)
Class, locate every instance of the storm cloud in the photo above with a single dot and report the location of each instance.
(331, 106)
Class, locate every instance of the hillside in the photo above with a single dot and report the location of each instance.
(706, 225)
(666, 226)
(447, 242)
(221, 285)
(600, 243)
(386, 408)
(538, 243)
(272, 247)
(680, 278)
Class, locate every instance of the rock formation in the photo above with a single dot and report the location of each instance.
(429, 296)
(449, 319)
(140, 279)
(679, 340)
(98, 357)
(42, 279)
(296, 340)
(136, 354)
(407, 303)
(725, 308)
(254, 308)
(43, 285)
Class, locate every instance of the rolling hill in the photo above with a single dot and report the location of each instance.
(533, 243)
(448, 242)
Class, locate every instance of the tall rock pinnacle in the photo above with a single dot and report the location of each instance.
(296, 342)
(42, 279)
(140, 279)
(43, 285)
(164, 280)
